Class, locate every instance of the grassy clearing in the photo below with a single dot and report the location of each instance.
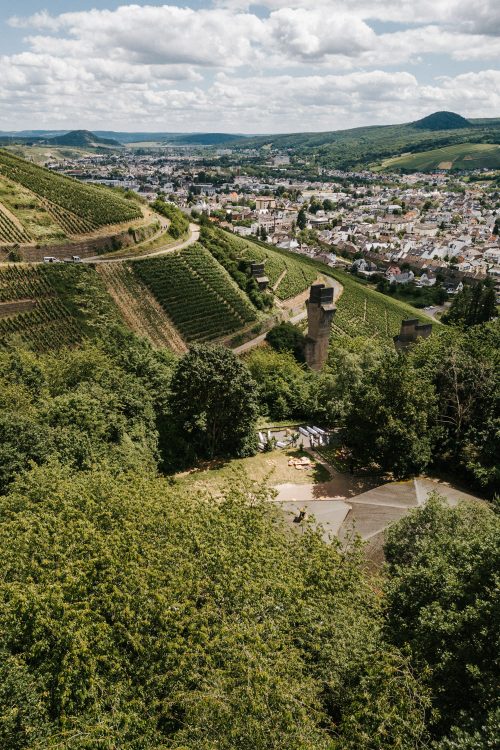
(264, 467)
(96, 206)
(161, 242)
(38, 224)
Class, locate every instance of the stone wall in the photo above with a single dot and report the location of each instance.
(85, 248)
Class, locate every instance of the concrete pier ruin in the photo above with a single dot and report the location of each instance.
(411, 331)
(320, 312)
(259, 274)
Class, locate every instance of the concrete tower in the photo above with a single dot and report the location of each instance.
(320, 312)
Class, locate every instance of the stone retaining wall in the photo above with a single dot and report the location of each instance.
(84, 248)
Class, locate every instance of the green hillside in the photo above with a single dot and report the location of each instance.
(288, 276)
(442, 121)
(463, 156)
(361, 311)
(82, 139)
(48, 306)
(361, 147)
(39, 205)
(197, 293)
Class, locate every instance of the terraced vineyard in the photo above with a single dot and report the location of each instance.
(70, 222)
(10, 231)
(93, 205)
(295, 276)
(23, 282)
(197, 294)
(138, 307)
(49, 324)
(361, 311)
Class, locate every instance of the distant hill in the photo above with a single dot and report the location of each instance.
(356, 148)
(181, 139)
(442, 121)
(207, 139)
(366, 147)
(87, 139)
(82, 139)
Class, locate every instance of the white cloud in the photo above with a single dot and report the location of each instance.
(308, 65)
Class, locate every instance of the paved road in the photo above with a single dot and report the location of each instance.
(194, 236)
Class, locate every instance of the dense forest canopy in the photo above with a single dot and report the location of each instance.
(138, 613)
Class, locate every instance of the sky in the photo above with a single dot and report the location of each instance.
(239, 67)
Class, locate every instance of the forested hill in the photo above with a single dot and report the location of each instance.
(442, 121)
(82, 139)
(361, 147)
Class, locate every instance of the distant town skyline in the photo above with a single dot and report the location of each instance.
(234, 66)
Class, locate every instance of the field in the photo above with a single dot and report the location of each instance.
(54, 199)
(35, 309)
(463, 156)
(197, 294)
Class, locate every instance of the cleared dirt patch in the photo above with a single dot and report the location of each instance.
(15, 308)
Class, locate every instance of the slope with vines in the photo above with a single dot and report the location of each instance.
(197, 294)
(48, 307)
(288, 277)
(96, 205)
(138, 307)
(360, 309)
